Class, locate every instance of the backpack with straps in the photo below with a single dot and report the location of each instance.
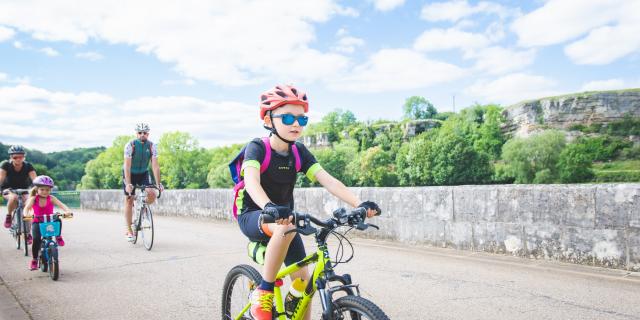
(235, 166)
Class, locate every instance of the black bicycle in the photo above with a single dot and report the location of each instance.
(143, 223)
(20, 229)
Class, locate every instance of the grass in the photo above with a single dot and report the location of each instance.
(622, 165)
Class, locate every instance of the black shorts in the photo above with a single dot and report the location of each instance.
(248, 223)
(137, 179)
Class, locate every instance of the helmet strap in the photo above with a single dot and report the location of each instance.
(273, 130)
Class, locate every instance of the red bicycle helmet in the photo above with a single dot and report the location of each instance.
(281, 95)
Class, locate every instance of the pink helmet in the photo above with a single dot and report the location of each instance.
(281, 95)
(43, 181)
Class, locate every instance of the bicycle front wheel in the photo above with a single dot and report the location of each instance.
(355, 307)
(15, 230)
(146, 227)
(25, 234)
(54, 271)
(237, 288)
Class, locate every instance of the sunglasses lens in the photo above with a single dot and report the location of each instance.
(288, 119)
(302, 120)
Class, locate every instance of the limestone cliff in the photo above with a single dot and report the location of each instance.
(563, 111)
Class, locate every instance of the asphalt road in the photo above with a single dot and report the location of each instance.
(104, 277)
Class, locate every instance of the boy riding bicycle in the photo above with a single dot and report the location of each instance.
(269, 190)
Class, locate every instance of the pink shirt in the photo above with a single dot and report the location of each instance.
(39, 211)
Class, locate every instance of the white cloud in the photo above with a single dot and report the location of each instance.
(185, 82)
(610, 84)
(560, 20)
(3, 77)
(459, 9)
(605, 45)
(90, 55)
(513, 88)
(50, 52)
(601, 31)
(445, 39)
(348, 44)
(67, 120)
(396, 70)
(387, 5)
(6, 33)
(498, 60)
(228, 43)
(18, 45)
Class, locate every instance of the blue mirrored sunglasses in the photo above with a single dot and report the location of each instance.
(289, 119)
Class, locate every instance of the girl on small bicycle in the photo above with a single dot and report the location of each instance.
(282, 109)
(42, 202)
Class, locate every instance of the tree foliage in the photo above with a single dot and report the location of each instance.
(416, 107)
(534, 159)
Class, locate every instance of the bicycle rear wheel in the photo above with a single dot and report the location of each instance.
(237, 288)
(355, 307)
(146, 227)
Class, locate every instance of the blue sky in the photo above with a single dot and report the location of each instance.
(76, 74)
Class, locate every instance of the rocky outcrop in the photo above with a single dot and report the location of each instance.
(564, 111)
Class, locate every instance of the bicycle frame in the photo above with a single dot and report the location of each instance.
(322, 274)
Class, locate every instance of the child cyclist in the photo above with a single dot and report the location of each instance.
(283, 111)
(42, 202)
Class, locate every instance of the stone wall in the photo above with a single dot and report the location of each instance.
(586, 224)
(562, 112)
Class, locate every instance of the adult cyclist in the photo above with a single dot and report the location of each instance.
(137, 155)
(15, 173)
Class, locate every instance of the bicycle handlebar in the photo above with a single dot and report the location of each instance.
(354, 218)
(152, 186)
(55, 215)
(17, 191)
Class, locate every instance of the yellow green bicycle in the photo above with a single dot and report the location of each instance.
(243, 279)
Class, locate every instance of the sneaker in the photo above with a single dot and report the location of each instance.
(33, 265)
(60, 241)
(7, 221)
(261, 304)
(29, 239)
(129, 236)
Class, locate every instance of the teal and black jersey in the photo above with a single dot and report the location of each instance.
(140, 154)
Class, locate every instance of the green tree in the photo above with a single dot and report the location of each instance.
(183, 164)
(105, 171)
(455, 161)
(413, 165)
(219, 175)
(377, 169)
(417, 107)
(335, 160)
(534, 159)
(490, 138)
(575, 164)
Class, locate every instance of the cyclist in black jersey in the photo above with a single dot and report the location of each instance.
(15, 173)
(283, 111)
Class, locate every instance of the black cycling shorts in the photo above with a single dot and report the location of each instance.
(137, 179)
(248, 223)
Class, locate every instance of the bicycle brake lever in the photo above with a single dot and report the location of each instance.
(373, 226)
(291, 231)
(362, 226)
